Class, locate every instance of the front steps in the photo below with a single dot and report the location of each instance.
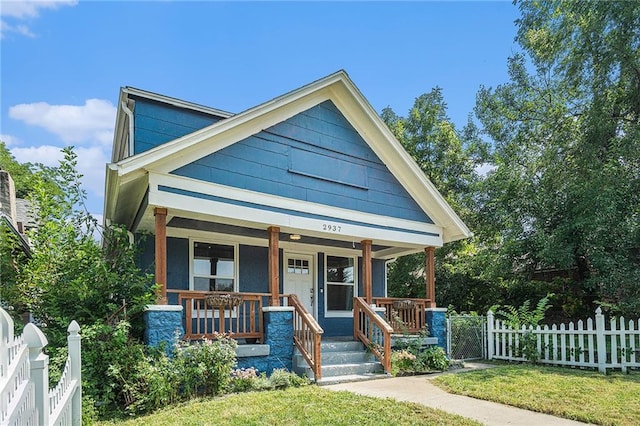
(342, 361)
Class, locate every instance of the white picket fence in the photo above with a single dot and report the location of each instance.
(596, 345)
(25, 397)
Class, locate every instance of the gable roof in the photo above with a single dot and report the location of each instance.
(336, 87)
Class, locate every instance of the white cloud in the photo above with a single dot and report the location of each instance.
(46, 154)
(20, 29)
(20, 10)
(91, 122)
(10, 140)
(91, 163)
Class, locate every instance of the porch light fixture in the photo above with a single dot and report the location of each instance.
(294, 237)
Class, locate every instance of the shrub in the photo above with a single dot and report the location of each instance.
(433, 358)
(243, 380)
(205, 367)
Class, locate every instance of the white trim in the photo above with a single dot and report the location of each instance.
(244, 195)
(186, 206)
(339, 314)
(278, 309)
(163, 308)
(436, 309)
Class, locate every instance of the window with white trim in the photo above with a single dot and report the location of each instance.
(340, 280)
(213, 266)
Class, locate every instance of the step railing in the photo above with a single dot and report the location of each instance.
(372, 330)
(307, 335)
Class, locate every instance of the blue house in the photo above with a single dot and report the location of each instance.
(277, 222)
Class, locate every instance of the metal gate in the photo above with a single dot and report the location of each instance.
(467, 337)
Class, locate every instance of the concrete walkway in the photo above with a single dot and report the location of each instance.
(419, 389)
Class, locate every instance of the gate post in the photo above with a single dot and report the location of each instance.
(490, 325)
(73, 343)
(39, 362)
(601, 342)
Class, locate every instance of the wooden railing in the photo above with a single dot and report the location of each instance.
(403, 314)
(307, 334)
(373, 331)
(240, 319)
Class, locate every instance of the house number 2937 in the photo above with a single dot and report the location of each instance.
(331, 227)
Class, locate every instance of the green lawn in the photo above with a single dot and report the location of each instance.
(585, 396)
(309, 405)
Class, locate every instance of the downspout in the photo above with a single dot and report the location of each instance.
(129, 113)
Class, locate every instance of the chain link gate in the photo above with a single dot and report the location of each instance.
(467, 337)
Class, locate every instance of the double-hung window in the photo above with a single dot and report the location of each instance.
(213, 266)
(340, 279)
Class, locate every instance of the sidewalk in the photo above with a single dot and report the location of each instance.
(419, 389)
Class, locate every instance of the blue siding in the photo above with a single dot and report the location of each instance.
(157, 123)
(315, 156)
(254, 269)
(177, 262)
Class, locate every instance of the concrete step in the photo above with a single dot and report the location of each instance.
(334, 357)
(340, 346)
(334, 380)
(342, 361)
(352, 368)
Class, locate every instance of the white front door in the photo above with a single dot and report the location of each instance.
(299, 278)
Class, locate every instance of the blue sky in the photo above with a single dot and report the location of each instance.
(63, 62)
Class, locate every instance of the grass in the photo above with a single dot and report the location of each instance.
(308, 405)
(585, 396)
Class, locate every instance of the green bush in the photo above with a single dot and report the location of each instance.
(205, 367)
(410, 357)
(433, 358)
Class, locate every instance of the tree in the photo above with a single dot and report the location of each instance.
(449, 159)
(565, 192)
(22, 174)
(71, 276)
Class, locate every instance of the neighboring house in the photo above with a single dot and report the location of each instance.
(13, 212)
(300, 201)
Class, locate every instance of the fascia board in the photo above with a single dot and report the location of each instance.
(119, 126)
(111, 191)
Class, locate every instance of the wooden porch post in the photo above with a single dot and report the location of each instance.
(274, 262)
(430, 275)
(366, 270)
(161, 253)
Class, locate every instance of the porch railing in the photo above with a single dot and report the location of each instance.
(307, 334)
(373, 331)
(241, 317)
(405, 315)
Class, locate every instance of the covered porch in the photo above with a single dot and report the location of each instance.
(241, 314)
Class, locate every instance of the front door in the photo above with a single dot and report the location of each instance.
(298, 278)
